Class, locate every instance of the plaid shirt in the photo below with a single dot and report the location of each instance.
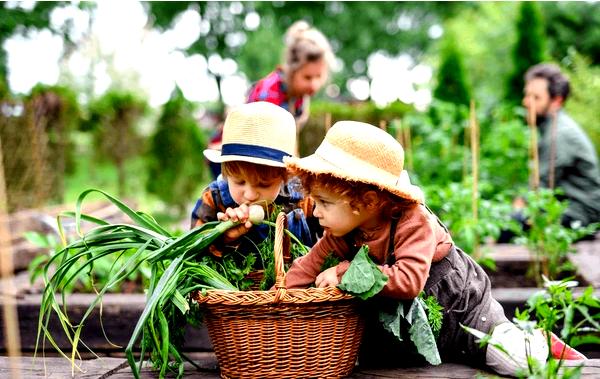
(301, 222)
(273, 89)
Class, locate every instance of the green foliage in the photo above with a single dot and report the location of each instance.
(381, 19)
(573, 25)
(313, 132)
(486, 34)
(84, 280)
(546, 237)
(416, 320)
(176, 166)
(262, 52)
(113, 119)
(363, 278)
(36, 141)
(530, 47)
(555, 309)
(16, 19)
(438, 133)
(584, 100)
(452, 83)
(453, 205)
(435, 313)
(576, 319)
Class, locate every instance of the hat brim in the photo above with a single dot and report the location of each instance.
(216, 157)
(314, 164)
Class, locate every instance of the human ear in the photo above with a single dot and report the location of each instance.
(371, 199)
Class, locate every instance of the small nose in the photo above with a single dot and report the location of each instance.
(251, 194)
(317, 212)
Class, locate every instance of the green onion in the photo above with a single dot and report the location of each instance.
(176, 273)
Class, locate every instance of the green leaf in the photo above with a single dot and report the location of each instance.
(363, 278)
(392, 321)
(180, 302)
(421, 333)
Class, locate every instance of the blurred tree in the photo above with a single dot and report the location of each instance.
(17, 18)
(113, 119)
(36, 145)
(584, 101)
(529, 49)
(176, 165)
(573, 24)
(486, 34)
(229, 27)
(452, 85)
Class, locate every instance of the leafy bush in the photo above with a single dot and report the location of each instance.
(176, 165)
(546, 237)
(584, 101)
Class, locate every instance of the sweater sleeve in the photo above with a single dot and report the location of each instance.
(414, 247)
(305, 269)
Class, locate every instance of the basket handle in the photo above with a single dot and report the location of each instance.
(278, 259)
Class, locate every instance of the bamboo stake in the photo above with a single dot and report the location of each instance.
(408, 146)
(327, 121)
(552, 163)
(400, 134)
(383, 125)
(535, 173)
(466, 149)
(475, 167)
(9, 311)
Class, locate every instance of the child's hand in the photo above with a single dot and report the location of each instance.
(239, 214)
(327, 278)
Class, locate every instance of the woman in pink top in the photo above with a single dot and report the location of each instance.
(305, 69)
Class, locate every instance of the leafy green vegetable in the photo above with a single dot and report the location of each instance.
(435, 314)
(420, 330)
(421, 333)
(363, 278)
(392, 322)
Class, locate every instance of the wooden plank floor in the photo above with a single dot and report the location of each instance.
(117, 368)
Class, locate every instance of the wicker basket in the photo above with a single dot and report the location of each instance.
(296, 333)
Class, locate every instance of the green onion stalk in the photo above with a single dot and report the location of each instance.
(176, 273)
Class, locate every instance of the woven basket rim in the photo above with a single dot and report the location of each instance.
(279, 294)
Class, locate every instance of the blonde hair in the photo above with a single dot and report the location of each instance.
(304, 44)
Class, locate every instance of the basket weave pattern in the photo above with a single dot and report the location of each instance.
(297, 333)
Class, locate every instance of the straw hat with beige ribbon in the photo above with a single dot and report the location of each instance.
(259, 132)
(360, 152)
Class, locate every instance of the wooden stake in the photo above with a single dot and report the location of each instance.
(327, 121)
(475, 168)
(11, 318)
(408, 146)
(535, 162)
(552, 163)
(383, 125)
(399, 133)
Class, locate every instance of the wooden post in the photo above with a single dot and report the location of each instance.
(407, 146)
(552, 163)
(475, 167)
(9, 311)
(383, 125)
(327, 121)
(535, 163)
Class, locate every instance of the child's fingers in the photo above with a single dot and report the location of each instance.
(222, 216)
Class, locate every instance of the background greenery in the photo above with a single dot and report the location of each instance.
(118, 143)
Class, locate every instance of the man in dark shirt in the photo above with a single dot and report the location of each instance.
(567, 158)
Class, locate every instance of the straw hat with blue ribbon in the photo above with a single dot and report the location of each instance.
(259, 132)
(360, 152)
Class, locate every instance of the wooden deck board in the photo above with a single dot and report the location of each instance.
(117, 368)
